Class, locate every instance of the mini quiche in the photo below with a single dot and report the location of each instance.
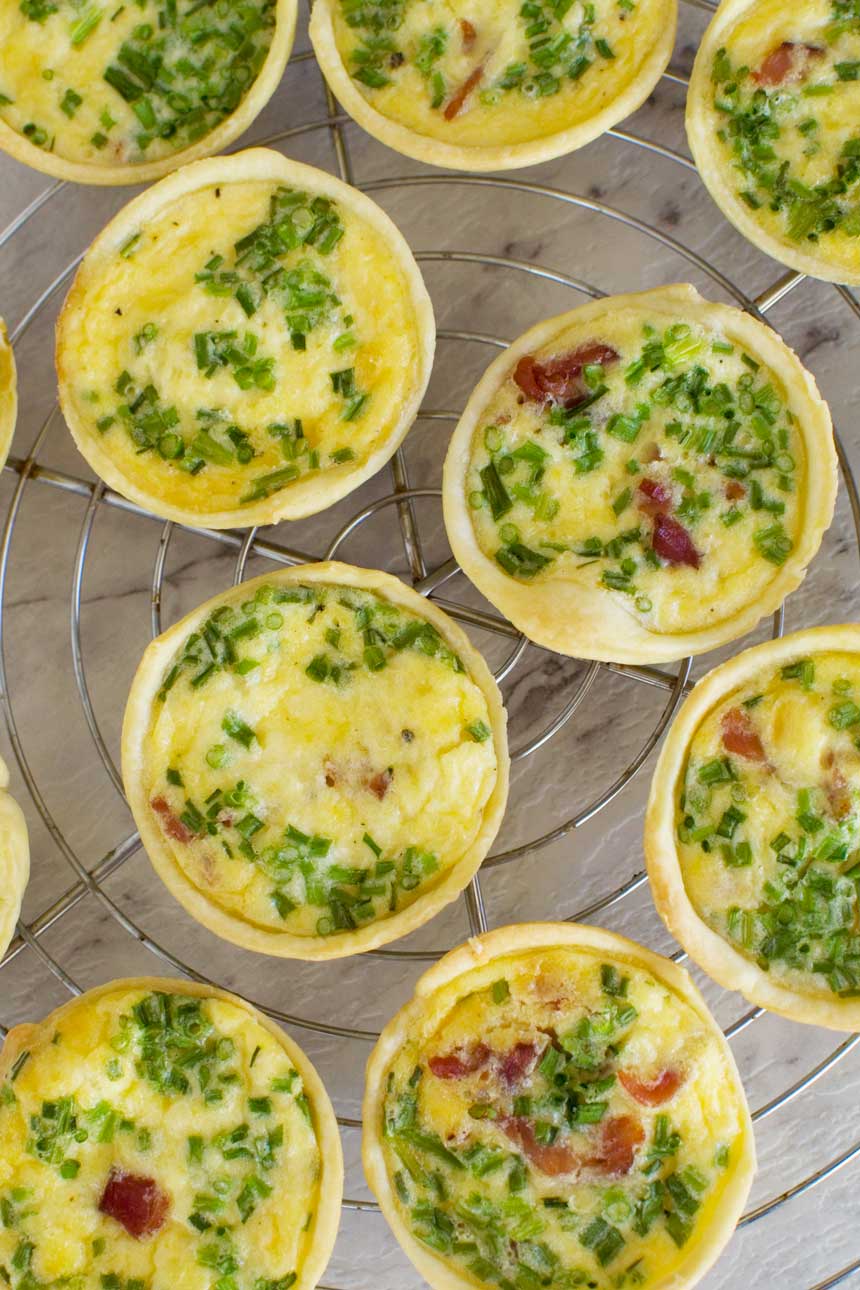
(157, 1133)
(246, 342)
(8, 394)
(103, 93)
(772, 122)
(491, 86)
(14, 860)
(753, 826)
(642, 478)
(556, 1107)
(316, 760)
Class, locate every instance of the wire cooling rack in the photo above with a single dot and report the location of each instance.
(86, 577)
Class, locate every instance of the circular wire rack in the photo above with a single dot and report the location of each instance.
(90, 884)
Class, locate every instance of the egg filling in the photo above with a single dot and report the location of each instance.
(123, 84)
(660, 463)
(318, 758)
(494, 73)
(557, 1119)
(786, 98)
(249, 336)
(152, 1138)
(768, 823)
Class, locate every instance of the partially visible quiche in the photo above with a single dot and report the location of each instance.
(556, 1107)
(164, 1133)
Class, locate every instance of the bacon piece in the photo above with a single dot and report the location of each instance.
(467, 31)
(551, 1159)
(789, 63)
(380, 783)
(136, 1202)
(560, 379)
(652, 1092)
(740, 735)
(654, 498)
(836, 788)
(517, 1062)
(672, 542)
(455, 105)
(459, 1064)
(170, 822)
(616, 1150)
(735, 490)
(332, 773)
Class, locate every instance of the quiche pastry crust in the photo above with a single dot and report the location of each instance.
(713, 953)
(714, 161)
(8, 393)
(267, 939)
(491, 156)
(15, 859)
(29, 1037)
(307, 493)
(226, 132)
(446, 984)
(572, 616)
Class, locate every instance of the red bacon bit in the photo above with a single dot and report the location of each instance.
(616, 1151)
(560, 379)
(654, 498)
(380, 783)
(652, 1092)
(836, 788)
(789, 63)
(138, 1203)
(551, 1159)
(467, 31)
(735, 490)
(171, 823)
(455, 105)
(459, 1064)
(740, 735)
(672, 542)
(516, 1063)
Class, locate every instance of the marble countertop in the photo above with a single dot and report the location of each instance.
(626, 212)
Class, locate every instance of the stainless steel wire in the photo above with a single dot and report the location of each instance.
(90, 882)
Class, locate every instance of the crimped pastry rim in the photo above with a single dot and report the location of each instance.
(302, 497)
(477, 952)
(591, 624)
(482, 158)
(714, 955)
(327, 1214)
(239, 930)
(226, 132)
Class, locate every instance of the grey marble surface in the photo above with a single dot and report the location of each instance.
(643, 219)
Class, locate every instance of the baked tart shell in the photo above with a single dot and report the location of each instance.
(251, 936)
(585, 622)
(304, 496)
(710, 951)
(225, 133)
(478, 952)
(449, 156)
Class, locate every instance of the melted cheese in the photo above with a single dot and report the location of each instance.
(51, 1220)
(542, 999)
(580, 503)
(816, 113)
(53, 76)
(777, 875)
(545, 99)
(134, 327)
(365, 762)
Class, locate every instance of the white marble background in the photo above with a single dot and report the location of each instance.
(805, 1242)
